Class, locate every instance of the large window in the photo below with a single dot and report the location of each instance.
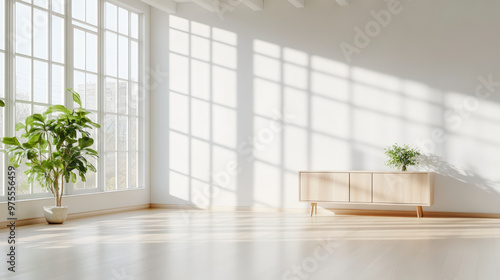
(39, 66)
(91, 46)
(2, 95)
(121, 95)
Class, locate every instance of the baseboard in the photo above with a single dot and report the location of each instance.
(227, 208)
(72, 216)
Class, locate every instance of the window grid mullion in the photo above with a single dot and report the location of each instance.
(32, 52)
(101, 181)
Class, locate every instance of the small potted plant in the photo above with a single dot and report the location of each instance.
(56, 148)
(401, 157)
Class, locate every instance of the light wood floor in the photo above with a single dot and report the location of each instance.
(175, 244)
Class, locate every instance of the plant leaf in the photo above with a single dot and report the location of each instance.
(85, 142)
(11, 141)
(19, 126)
(76, 97)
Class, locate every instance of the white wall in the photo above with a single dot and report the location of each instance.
(414, 82)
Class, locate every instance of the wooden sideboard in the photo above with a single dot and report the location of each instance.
(367, 187)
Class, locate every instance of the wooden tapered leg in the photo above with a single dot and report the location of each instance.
(420, 212)
(314, 208)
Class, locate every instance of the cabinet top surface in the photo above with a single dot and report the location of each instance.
(367, 171)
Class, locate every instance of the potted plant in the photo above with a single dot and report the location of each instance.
(401, 156)
(56, 147)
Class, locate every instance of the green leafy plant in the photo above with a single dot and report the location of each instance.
(401, 156)
(56, 147)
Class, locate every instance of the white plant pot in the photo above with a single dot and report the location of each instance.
(55, 214)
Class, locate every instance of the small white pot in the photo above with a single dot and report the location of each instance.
(55, 214)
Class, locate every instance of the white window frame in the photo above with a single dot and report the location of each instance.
(68, 83)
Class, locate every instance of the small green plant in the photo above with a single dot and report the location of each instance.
(401, 156)
(56, 147)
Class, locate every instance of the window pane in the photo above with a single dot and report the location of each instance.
(2, 189)
(91, 92)
(134, 170)
(40, 77)
(79, 49)
(110, 95)
(94, 132)
(57, 39)
(23, 110)
(92, 12)
(2, 75)
(111, 51)
(134, 25)
(110, 16)
(22, 185)
(110, 132)
(37, 109)
(134, 61)
(123, 21)
(79, 185)
(134, 98)
(37, 188)
(42, 3)
(122, 133)
(23, 29)
(122, 171)
(110, 171)
(91, 176)
(78, 9)
(58, 6)
(91, 52)
(123, 57)
(41, 34)
(57, 84)
(2, 128)
(23, 78)
(2, 25)
(79, 84)
(122, 97)
(133, 133)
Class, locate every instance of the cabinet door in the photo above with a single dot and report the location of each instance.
(360, 187)
(388, 188)
(416, 188)
(324, 187)
(411, 188)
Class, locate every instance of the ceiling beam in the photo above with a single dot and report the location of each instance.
(168, 6)
(343, 2)
(210, 5)
(297, 3)
(256, 5)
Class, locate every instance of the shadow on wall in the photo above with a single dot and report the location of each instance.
(460, 189)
